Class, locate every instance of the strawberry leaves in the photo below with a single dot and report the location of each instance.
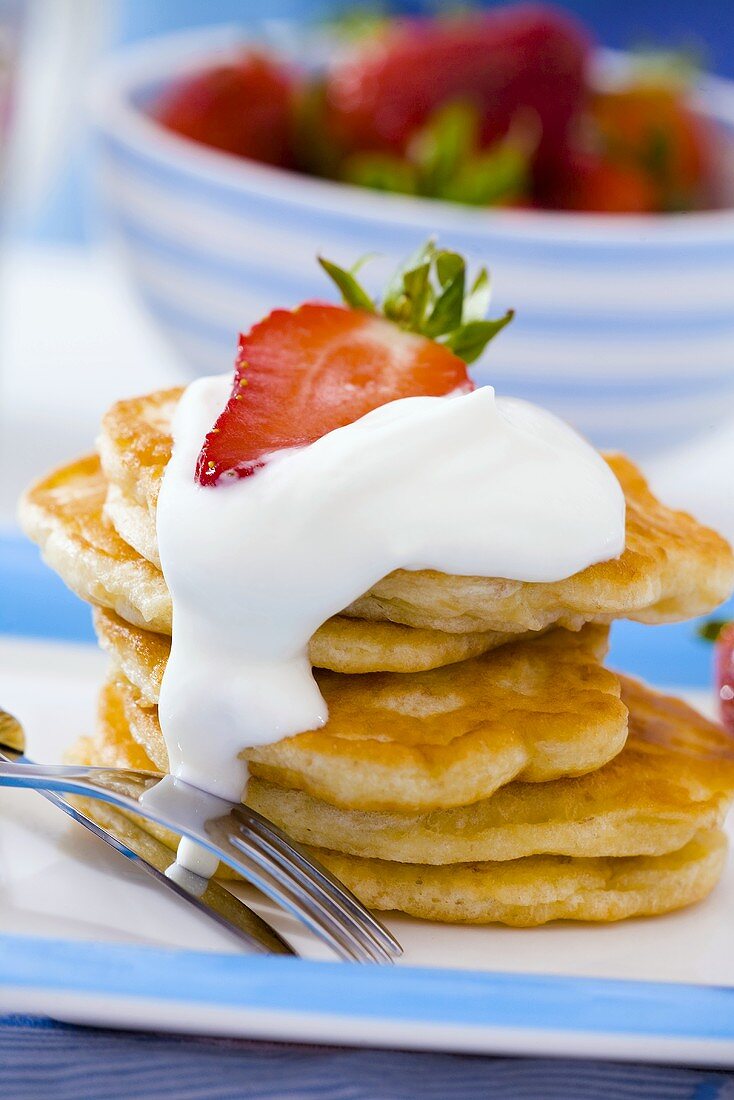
(353, 294)
(470, 340)
(428, 295)
(446, 159)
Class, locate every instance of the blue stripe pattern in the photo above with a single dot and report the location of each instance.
(455, 998)
(262, 195)
(289, 287)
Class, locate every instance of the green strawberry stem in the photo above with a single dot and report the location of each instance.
(710, 630)
(428, 294)
(445, 159)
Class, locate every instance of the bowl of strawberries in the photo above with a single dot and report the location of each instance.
(598, 189)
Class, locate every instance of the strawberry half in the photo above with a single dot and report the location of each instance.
(302, 373)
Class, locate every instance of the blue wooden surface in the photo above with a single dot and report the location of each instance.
(40, 1058)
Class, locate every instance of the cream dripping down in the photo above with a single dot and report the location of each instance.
(469, 484)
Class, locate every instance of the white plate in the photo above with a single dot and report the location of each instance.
(85, 937)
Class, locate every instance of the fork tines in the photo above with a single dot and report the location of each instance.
(283, 870)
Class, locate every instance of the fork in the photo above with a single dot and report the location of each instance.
(235, 834)
(151, 856)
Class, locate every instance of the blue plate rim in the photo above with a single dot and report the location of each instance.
(404, 995)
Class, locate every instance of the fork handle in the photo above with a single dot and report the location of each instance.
(67, 777)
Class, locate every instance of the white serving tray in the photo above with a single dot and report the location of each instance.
(85, 937)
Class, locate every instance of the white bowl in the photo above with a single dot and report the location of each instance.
(624, 326)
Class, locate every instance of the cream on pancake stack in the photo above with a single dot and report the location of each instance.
(479, 763)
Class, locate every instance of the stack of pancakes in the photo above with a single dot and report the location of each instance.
(479, 763)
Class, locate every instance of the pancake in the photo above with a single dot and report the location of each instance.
(673, 779)
(538, 889)
(340, 645)
(135, 445)
(132, 523)
(672, 568)
(521, 892)
(448, 737)
(63, 514)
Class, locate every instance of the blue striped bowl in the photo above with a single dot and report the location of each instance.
(625, 325)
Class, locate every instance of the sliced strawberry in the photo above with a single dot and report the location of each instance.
(304, 372)
(725, 675)
(524, 56)
(244, 108)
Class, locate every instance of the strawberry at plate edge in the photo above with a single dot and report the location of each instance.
(724, 665)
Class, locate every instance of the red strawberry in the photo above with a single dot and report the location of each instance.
(301, 373)
(524, 56)
(725, 675)
(652, 127)
(244, 108)
(596, 185)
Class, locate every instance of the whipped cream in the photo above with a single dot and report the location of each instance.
(469, 484)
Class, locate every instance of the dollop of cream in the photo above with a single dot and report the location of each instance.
(469, 484)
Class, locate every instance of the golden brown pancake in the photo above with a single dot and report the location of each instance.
(527, 892)
(448, 737)
(672, 568)
(341, 645)
(522, 891)
(673, 779)
(135, 445)
(63, 514)
(496, 788)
